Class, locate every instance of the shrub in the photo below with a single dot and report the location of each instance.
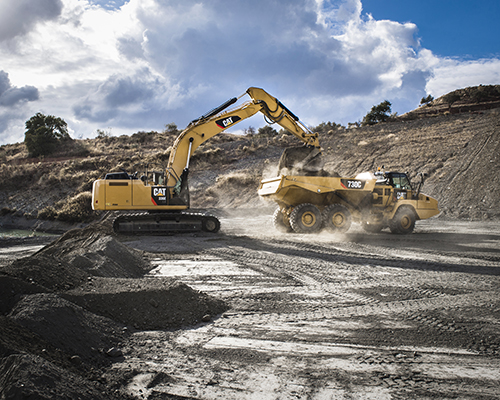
(452, 97)
(103, 134)
(139, 137)
(426, 100)
(267, 131)
(250, 131)
(378, 113)
(48, 213)
(326, 128)
(43, 132)
(77, 208)
(74, 209)
(171, 129)
(485, 93)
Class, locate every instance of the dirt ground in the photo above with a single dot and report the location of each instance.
(251, 313)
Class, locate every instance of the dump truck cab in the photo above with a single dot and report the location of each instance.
(397, 203)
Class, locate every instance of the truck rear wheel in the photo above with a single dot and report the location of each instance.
(281, 222)
(305, 218)
(372, 228)
(337, 218)
(403, 221)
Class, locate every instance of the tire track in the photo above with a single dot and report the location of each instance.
(312, 320)
(340, 302)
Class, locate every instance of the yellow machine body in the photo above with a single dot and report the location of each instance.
(118, 194)
(372, 202)
(168, 190)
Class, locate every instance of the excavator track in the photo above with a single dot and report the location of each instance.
(164, 223)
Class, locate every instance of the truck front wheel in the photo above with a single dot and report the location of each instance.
(403, 221)
(372, 228)
(337, 218)
(305, 218)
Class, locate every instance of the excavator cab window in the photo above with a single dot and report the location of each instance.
(158, 178)
(117, 175)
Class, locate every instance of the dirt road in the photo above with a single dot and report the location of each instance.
(356, 316)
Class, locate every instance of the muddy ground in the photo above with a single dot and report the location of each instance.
(251, 313)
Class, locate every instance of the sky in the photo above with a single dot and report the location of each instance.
(125, 66)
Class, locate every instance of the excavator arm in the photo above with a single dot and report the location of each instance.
(165, 203)
(275, 111)
(219, 119)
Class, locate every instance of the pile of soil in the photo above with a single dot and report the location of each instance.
(66, 309)
(25, 376)
(68, 327)
(146, 304)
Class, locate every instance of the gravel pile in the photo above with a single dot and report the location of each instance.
(66, 309)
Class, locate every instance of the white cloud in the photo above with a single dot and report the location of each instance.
(140, 64)
(451, 74)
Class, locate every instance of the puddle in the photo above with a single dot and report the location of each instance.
(21, 249)
(196, 268)
(289, 348)
(21, 233)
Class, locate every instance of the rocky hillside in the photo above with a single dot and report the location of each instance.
(459, 152)
(470, 99)
(454, 139)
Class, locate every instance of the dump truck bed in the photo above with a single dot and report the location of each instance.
(293, 190)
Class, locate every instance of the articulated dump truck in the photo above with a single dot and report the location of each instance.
(307, 204)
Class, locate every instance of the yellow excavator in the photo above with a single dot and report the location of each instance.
(157, 201)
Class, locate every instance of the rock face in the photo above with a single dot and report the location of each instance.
(470, 188)
(460, 153)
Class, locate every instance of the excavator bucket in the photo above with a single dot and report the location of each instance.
(301, 161)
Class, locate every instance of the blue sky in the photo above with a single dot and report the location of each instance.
(450, 28)
(137, 65)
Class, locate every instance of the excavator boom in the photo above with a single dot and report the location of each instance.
(163, 197)
(219, 119)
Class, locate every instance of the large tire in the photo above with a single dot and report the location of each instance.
(337, 218)
(306, 218)
(372, 228)
(403, 221)
(281, 222)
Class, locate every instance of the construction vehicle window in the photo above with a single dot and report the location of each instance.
(405, 184)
